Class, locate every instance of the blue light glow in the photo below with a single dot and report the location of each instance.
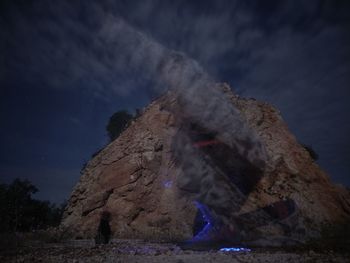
(208, 222)
(168, 184)
(234, 249)
(204, 234)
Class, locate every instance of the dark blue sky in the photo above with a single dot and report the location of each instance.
(65, 68)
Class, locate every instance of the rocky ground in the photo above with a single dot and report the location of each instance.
(138, 251)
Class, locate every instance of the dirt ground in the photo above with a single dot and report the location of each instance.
(121, 251)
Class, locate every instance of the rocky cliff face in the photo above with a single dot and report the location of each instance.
(149, 186)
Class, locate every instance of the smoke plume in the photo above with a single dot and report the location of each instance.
(218, 177)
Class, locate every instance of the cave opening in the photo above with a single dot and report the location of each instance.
(226, 159)
(236, 170)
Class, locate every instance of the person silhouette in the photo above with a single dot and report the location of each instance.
(104, 230)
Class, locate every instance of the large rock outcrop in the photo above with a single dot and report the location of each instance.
(139, 179)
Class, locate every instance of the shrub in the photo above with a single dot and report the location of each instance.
(311, 151)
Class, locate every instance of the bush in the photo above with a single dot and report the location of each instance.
(311, 151)
(117, 123)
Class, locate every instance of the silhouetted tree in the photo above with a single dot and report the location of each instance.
(117, 123)
(19, 212)
(4, 217)
(19, 197)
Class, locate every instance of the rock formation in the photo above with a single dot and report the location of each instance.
(142, 180)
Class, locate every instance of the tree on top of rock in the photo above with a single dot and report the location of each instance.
(117, 123)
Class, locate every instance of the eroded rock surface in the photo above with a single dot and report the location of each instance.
(139, 180)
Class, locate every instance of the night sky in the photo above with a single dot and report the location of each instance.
(62, 74)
